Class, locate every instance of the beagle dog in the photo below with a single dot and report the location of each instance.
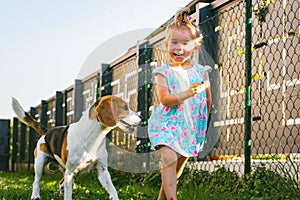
(81, 146)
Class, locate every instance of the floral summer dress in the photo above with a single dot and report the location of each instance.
(182, 128)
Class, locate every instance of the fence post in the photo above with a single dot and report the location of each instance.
(14, 143)
(248, 69)
(43, 117)
(4, 141)
(105, 84)
(58, 109)
(65, 107)
(106, 73)
(98, 90)
(144, 80)
(23, 142)
(32, 140)
(144, 95)
(78, 105)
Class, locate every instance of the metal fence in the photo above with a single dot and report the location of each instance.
(271, 94)
(274, 85)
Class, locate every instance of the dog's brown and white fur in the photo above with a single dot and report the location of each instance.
(80, 146)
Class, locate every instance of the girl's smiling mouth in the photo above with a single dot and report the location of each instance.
(178, 54)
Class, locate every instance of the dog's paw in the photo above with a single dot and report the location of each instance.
(61, 190)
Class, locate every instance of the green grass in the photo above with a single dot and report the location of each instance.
(193, 185)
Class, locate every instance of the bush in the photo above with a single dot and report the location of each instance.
(264, 183)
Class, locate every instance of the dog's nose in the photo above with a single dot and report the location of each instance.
(135, 118)
(141, 117)
(140, 123)
(141, 120)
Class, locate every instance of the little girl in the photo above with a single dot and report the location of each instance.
(177, 127)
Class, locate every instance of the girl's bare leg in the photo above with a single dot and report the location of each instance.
(168, 174)
(161, 195)
(180, 165)
(181, 161)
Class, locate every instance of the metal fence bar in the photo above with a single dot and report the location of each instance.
(248, 71)
(23, 142)
(59, 109)
(98, 88)
(78, 100)
(106, 78)
(43, 114)
(14, 152)
(32, 140)
(65, 107)
(4, 144)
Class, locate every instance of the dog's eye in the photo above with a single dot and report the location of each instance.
(125, 107)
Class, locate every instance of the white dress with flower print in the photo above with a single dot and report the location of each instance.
(182, 128)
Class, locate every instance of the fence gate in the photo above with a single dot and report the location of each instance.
(4, 144)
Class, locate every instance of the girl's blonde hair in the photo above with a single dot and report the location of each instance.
(182, 20)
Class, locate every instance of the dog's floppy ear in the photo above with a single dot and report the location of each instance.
(105, 112)
(92, 111)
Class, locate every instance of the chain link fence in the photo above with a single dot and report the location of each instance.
(275, 85)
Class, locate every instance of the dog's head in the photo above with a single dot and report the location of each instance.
(113, 111)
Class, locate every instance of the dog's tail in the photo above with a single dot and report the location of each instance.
(26, 118)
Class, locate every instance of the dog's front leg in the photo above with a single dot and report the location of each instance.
(68, 184)
(105, 180)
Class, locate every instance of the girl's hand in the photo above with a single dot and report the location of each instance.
(172, 100)
(196, 87)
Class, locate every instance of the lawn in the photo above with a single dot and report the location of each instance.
(193, 185)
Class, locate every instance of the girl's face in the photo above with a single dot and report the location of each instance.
(180, 46)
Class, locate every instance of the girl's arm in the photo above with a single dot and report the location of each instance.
(172, 100)
(208, 92)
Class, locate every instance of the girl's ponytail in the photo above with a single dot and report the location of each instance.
(182, 19)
